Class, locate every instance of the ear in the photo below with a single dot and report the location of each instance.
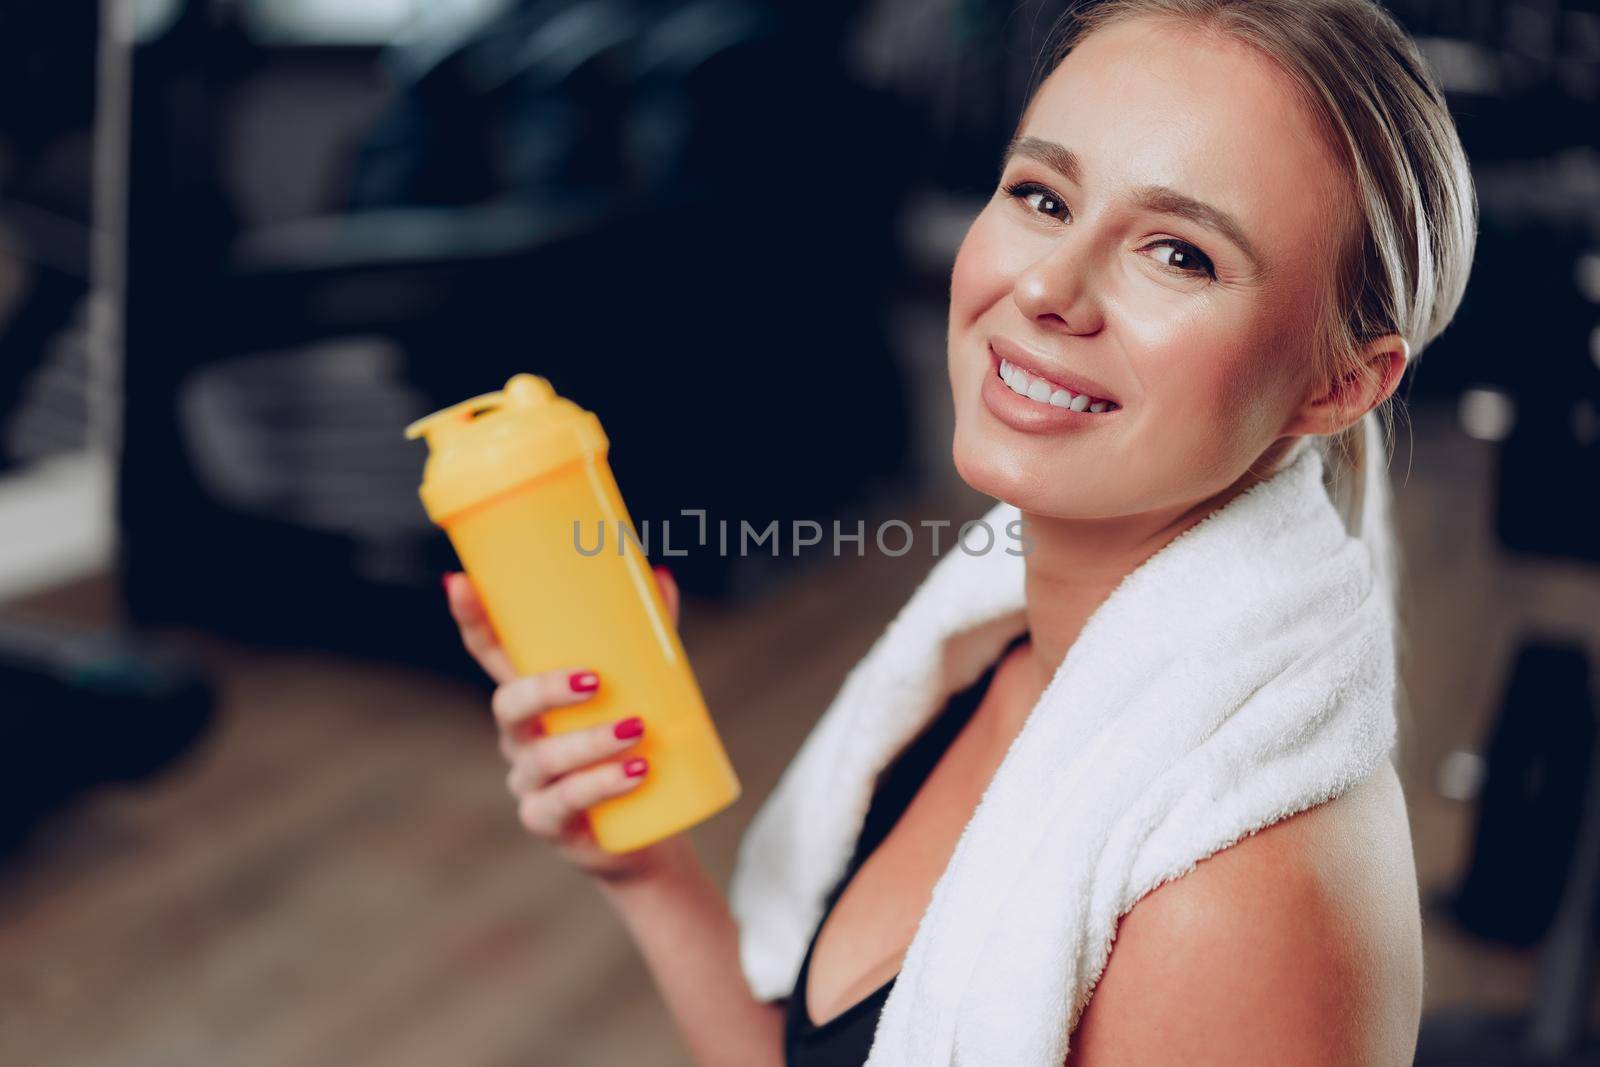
(1331, 407)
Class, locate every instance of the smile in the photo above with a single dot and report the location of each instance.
(1041, 391)
(1030, 403)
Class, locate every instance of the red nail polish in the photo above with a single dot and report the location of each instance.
(634, 768)
(444, 580)
(583, 681)
(629, 728)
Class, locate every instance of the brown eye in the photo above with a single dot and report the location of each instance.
(1045, 204)
(1038, 199)
(1186, 259)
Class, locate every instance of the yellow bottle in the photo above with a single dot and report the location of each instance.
(519, 480)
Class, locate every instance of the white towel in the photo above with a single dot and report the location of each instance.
(1242, 673)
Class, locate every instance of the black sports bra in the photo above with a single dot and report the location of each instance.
(845, 1039)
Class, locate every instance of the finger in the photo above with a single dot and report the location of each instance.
(546, 812)
(543, 761)
(477, 632)
(515, 701)
(669, 591)
(512, 741)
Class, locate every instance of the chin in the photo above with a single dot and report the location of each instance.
(993, 471)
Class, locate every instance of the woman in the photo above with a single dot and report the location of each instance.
(1230, 225)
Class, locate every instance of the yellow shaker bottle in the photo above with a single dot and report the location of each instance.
(519, 480)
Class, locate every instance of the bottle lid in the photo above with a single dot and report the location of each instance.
(484, 446)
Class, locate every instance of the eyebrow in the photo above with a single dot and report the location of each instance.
(1157, 198)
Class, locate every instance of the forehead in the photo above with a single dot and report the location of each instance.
(1148, 102)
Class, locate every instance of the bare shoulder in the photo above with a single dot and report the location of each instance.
(1301, 944)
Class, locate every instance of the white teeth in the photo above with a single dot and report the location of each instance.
(1037, 389)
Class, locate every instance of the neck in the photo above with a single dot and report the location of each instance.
(1073, 565)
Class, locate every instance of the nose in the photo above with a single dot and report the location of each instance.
(1055, 291)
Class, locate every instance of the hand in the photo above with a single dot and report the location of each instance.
(556, 778)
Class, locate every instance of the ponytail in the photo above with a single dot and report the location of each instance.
(1357, 469)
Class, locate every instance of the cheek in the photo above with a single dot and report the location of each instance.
(1261, 382)
(1241, 398)
(979, 277)
(1218, 386)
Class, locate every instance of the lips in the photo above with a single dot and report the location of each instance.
(1029, 415)
(1041, 392)
(1058, 378)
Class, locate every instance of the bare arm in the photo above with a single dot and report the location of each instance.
(681, 923)
(675, 912)
(1299, 945)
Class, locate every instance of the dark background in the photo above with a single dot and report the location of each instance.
(243, 244)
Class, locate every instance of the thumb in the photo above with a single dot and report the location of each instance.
(669, 590)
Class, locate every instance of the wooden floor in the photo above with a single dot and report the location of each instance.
(337, 876)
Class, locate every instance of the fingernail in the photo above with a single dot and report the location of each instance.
(634, 767)
(632, 727)
(662, 568)
(583, 681)
(445, 581)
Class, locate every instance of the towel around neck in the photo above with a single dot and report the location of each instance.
(1242, 673)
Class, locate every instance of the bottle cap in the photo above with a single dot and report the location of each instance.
(495, 442)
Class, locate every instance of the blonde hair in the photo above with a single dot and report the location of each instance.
(1406, 252)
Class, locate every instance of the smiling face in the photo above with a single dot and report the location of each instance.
(1162, 236)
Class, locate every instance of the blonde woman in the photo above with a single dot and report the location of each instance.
(1230, 224)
